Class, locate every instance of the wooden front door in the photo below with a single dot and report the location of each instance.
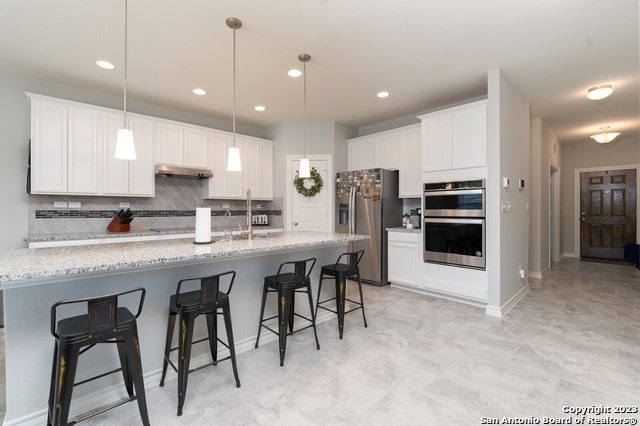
(607, 213)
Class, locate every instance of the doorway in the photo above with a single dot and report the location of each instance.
(554, 214)
(310, 213)
(607, 215)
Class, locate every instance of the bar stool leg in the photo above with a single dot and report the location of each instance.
(52, 388)
(319, 290)
(66, 364)
(361, 298)
(292, 309)
(124, 364)
(313, 315)
(226, 313)
(341, 281)
(184, 355)
(212, 329)
(134, 362)
(284, 300)
(171, 324)
(264, 298)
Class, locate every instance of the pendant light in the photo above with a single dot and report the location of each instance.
(305, 170)
(125, 148)
(605, 136)
(233, 155)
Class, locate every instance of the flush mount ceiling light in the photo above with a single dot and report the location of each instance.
(105, 64)
(305, 169)
(382, 94)
(233, 155)
(599, 92)
(260, 108)
(605, 136)
(199, 92)
(125, 147)
(294, 73)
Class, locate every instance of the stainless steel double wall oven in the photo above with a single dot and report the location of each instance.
(454, 223)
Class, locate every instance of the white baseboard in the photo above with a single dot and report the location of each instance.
(501, 311)
(439, 295)
(569, 256)
(540, 275)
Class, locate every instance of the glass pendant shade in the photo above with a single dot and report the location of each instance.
(125, 148)
(305, 170)
(605, 137)
(233, 159)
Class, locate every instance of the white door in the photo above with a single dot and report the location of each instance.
(310, 213)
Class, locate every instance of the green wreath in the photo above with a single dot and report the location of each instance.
(314, 189)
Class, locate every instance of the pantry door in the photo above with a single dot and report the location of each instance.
(310, 213)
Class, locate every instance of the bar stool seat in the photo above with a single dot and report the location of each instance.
(287, 284)
(341, 272)
(104, 322)
(208, 301)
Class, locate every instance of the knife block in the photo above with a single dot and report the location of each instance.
(116, 226)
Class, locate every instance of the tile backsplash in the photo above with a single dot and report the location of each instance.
(173, 207)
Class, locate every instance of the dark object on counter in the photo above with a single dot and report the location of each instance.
(116, 225)
(104, 322)
(632, 254)
(341, 272)
(210, 301)
(285, 285)
(125, 216)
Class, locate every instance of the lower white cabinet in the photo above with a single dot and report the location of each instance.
(404, 257)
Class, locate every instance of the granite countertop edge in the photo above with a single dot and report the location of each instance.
(403, 229)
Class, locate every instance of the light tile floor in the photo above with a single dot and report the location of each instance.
(574, 340)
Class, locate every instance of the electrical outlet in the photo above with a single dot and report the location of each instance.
(75, 204)
(259, 206)
(521, 271)
(124, 205)
(225, 205)
(59, 204)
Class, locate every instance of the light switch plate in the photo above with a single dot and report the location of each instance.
(124, 205)
(75, 204)
(59, 204)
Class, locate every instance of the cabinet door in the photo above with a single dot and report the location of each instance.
(48, 147)
(250, 155)
(141, 171)
(266, 170)
(436, 154)
(410, 172)
(217, 185)
(403, 261)
(362, 158)
(469, 146)
(83, 152)
(196, 144)
(169, 144)
(385, 150)
(115, 172)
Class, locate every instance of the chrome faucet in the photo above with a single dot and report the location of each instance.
(249, 231)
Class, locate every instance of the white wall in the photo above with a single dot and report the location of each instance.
(508, 148)
(623, 152)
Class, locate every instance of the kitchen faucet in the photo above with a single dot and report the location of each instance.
(249, 231)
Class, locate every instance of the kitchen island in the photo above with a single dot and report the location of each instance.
(34, 279)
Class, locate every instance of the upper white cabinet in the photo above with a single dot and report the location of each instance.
(409, 165)
(455, 138)
(48, 147)
(256, 158)
(359, 154)
(181, 145)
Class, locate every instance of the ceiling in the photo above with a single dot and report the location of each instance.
(426, 53)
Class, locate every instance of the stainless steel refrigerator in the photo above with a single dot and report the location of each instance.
(367, 203)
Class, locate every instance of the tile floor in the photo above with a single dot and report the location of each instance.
(574, 340)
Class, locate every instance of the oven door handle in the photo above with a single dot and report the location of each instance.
(454, 192)
(453, 220)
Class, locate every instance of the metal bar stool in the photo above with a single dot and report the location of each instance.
(104, 322)
(341, 272)
(287, 284)
(210, 301)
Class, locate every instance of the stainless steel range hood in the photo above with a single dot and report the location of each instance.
(168, 170)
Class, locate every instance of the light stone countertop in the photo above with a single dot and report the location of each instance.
(40, 265)
(403, 229)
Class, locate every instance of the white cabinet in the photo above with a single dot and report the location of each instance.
(48, 147)
(141, 171)
(409, 165)
(115, 172)
(404, 257)
(256, 158)
(455, 138)
(359, 154)
(378, 150)
(181, 145)
(83, 154)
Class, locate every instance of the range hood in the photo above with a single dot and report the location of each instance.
(168, 170)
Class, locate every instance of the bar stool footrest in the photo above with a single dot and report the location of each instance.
(94, 413)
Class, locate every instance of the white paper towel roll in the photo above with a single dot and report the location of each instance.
(203, 225)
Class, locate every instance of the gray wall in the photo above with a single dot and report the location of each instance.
(623, 152)
(15, 122)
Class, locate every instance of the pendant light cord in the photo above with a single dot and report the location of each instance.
(234, 88)
(124, 115)
(304, 80)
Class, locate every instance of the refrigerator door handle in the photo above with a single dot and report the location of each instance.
(352, 204)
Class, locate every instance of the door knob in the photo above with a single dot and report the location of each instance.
(295, 223)
(584, 219)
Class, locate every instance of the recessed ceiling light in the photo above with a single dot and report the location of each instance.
(199, 92)
(105, 64)
(382, 94)
(259, 108)
(599, 92)
(294, 72)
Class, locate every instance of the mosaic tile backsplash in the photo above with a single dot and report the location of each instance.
(173, 207)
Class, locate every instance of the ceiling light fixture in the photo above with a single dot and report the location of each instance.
(259, 108)
(599, 92)
(294, 73)
(125, 147)
(305, 169)
(105, 64)
(199, 92)
(382, 94)
(233, 155)
(605, 136)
